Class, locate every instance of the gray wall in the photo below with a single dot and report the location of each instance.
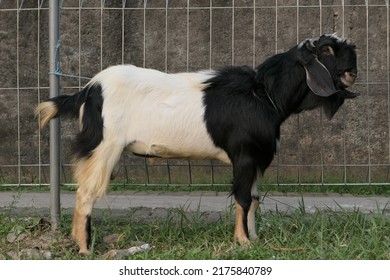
(173, 36)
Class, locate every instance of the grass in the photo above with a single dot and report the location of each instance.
(296, 235)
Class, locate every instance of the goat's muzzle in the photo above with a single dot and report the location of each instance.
(348, 78)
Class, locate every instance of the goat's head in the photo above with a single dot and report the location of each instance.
(330, 65)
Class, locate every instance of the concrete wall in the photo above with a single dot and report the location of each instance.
(172, 36)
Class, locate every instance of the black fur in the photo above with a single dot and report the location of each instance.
(91, 133)
(245, 107)
(88, 231)
(243, 124)
(69, 105)
(92, 122)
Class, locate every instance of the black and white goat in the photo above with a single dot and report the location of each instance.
(233, 115)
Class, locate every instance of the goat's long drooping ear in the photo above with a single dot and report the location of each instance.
(318, 77)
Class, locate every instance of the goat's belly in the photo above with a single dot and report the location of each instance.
(179, 152)
(171, 128)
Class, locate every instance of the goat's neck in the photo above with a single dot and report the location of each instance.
(287, 92)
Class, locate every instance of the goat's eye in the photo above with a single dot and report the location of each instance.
(352, 71)
(327, 50)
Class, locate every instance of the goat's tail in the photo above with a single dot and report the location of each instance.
(64, 105)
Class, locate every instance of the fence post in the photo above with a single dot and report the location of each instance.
(54, 82)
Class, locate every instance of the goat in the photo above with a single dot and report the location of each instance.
(233, 115)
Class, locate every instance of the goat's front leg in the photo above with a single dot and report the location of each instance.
(241, 225)
(247, 200)
(245, 225)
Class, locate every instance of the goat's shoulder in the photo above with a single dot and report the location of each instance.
(232, 80)
(233, 114)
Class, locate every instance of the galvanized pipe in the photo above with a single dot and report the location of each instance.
(54, 82)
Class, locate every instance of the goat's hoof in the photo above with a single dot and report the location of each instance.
(254, 237)
(243, 241)
(84, 252)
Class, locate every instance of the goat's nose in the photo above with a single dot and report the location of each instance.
(348, 78)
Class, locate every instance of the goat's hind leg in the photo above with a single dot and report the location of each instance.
(252, 214)
(92, 175)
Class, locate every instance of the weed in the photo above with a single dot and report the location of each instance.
(180, 235)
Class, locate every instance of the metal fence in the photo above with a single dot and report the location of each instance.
(188, 35)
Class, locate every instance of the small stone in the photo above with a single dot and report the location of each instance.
(138, 249)
(11, 237)
(112, 238)
(115, 254)
(15, 232)
(35, 254)
(120, 254)
(21, 237)
(46, 254)
(13, 255)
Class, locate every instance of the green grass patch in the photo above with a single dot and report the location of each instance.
(296, 235)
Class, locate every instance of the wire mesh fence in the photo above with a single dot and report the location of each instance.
(187, 35)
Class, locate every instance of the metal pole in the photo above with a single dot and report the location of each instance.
(54, 81)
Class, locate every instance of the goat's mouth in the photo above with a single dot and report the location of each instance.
(348, 78)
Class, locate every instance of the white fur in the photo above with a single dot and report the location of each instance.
(155, 113)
